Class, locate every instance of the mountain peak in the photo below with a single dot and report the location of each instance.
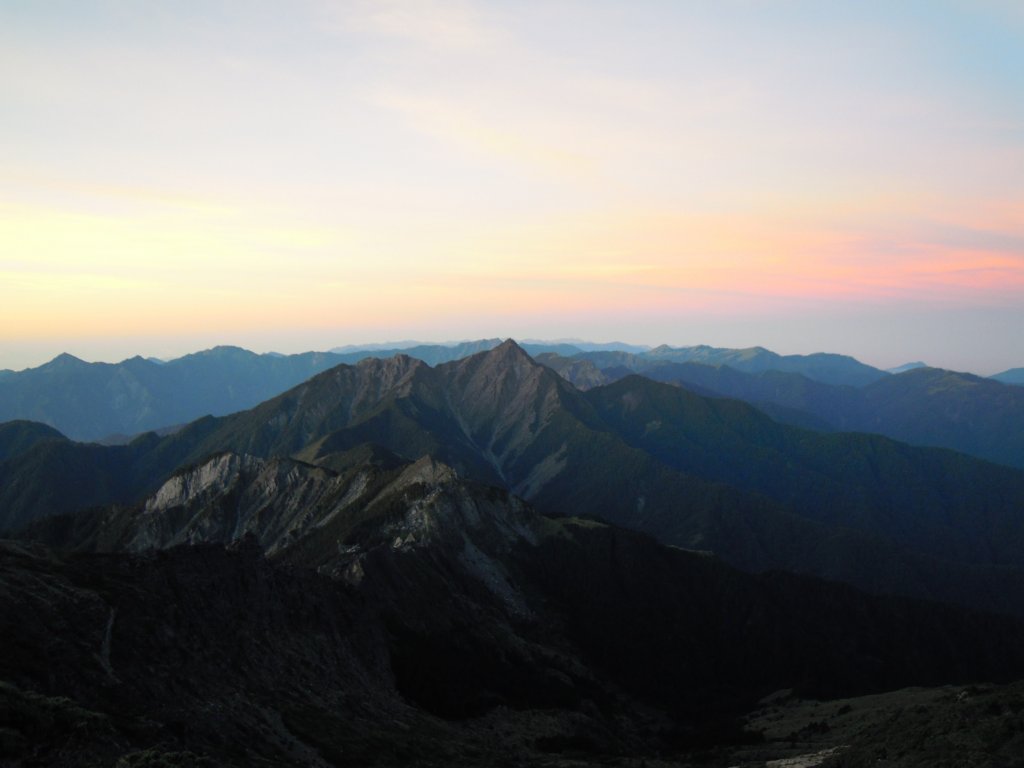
(227, 349)
(64, 361)
(223, 352)
(506, 359)
(509, 351)
(907, 367)
(509, 345)
(507, 356)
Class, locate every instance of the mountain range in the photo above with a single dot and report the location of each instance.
(697, 472)
(112, 402)
(921, 405)
(479, 562)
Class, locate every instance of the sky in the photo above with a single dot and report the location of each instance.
(801, 175)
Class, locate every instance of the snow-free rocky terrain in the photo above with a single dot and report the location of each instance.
(478, 564)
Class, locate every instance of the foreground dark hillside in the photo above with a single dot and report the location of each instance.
(422, 620)
(951, 726)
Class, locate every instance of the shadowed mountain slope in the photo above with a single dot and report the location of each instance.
(927, 500)
(825, 367)
(58, 475)
(449, 623)
(923, 406)
(90, 401)
(930, 406)
(16, 437)
(696, 472)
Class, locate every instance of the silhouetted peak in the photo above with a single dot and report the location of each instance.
(508, 345)
(226, 350)
(64, 361)
(929, 374)
(506, 359)
(509, 351)
(222, 352)
(907, 367)
(925, 371)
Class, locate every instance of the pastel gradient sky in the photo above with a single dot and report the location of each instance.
(803, 175)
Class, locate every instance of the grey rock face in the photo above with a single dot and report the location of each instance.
(231, 495)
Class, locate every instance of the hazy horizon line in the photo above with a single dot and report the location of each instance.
(400, 344)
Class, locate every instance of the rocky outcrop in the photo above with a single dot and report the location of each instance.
(212, 478)
(277, 501)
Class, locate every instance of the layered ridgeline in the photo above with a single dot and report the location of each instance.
(700, 473)
(825, 367)
(920, 405)
(110, 402)
(404, 615)
(1012, 376)
(16, 437)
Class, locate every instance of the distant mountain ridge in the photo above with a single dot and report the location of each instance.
(922, 406)
(907, 367)
(96, 401)
(102, 401)
(821, 366)
(1012, 376)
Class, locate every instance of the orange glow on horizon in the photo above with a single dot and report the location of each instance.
(89, 273)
